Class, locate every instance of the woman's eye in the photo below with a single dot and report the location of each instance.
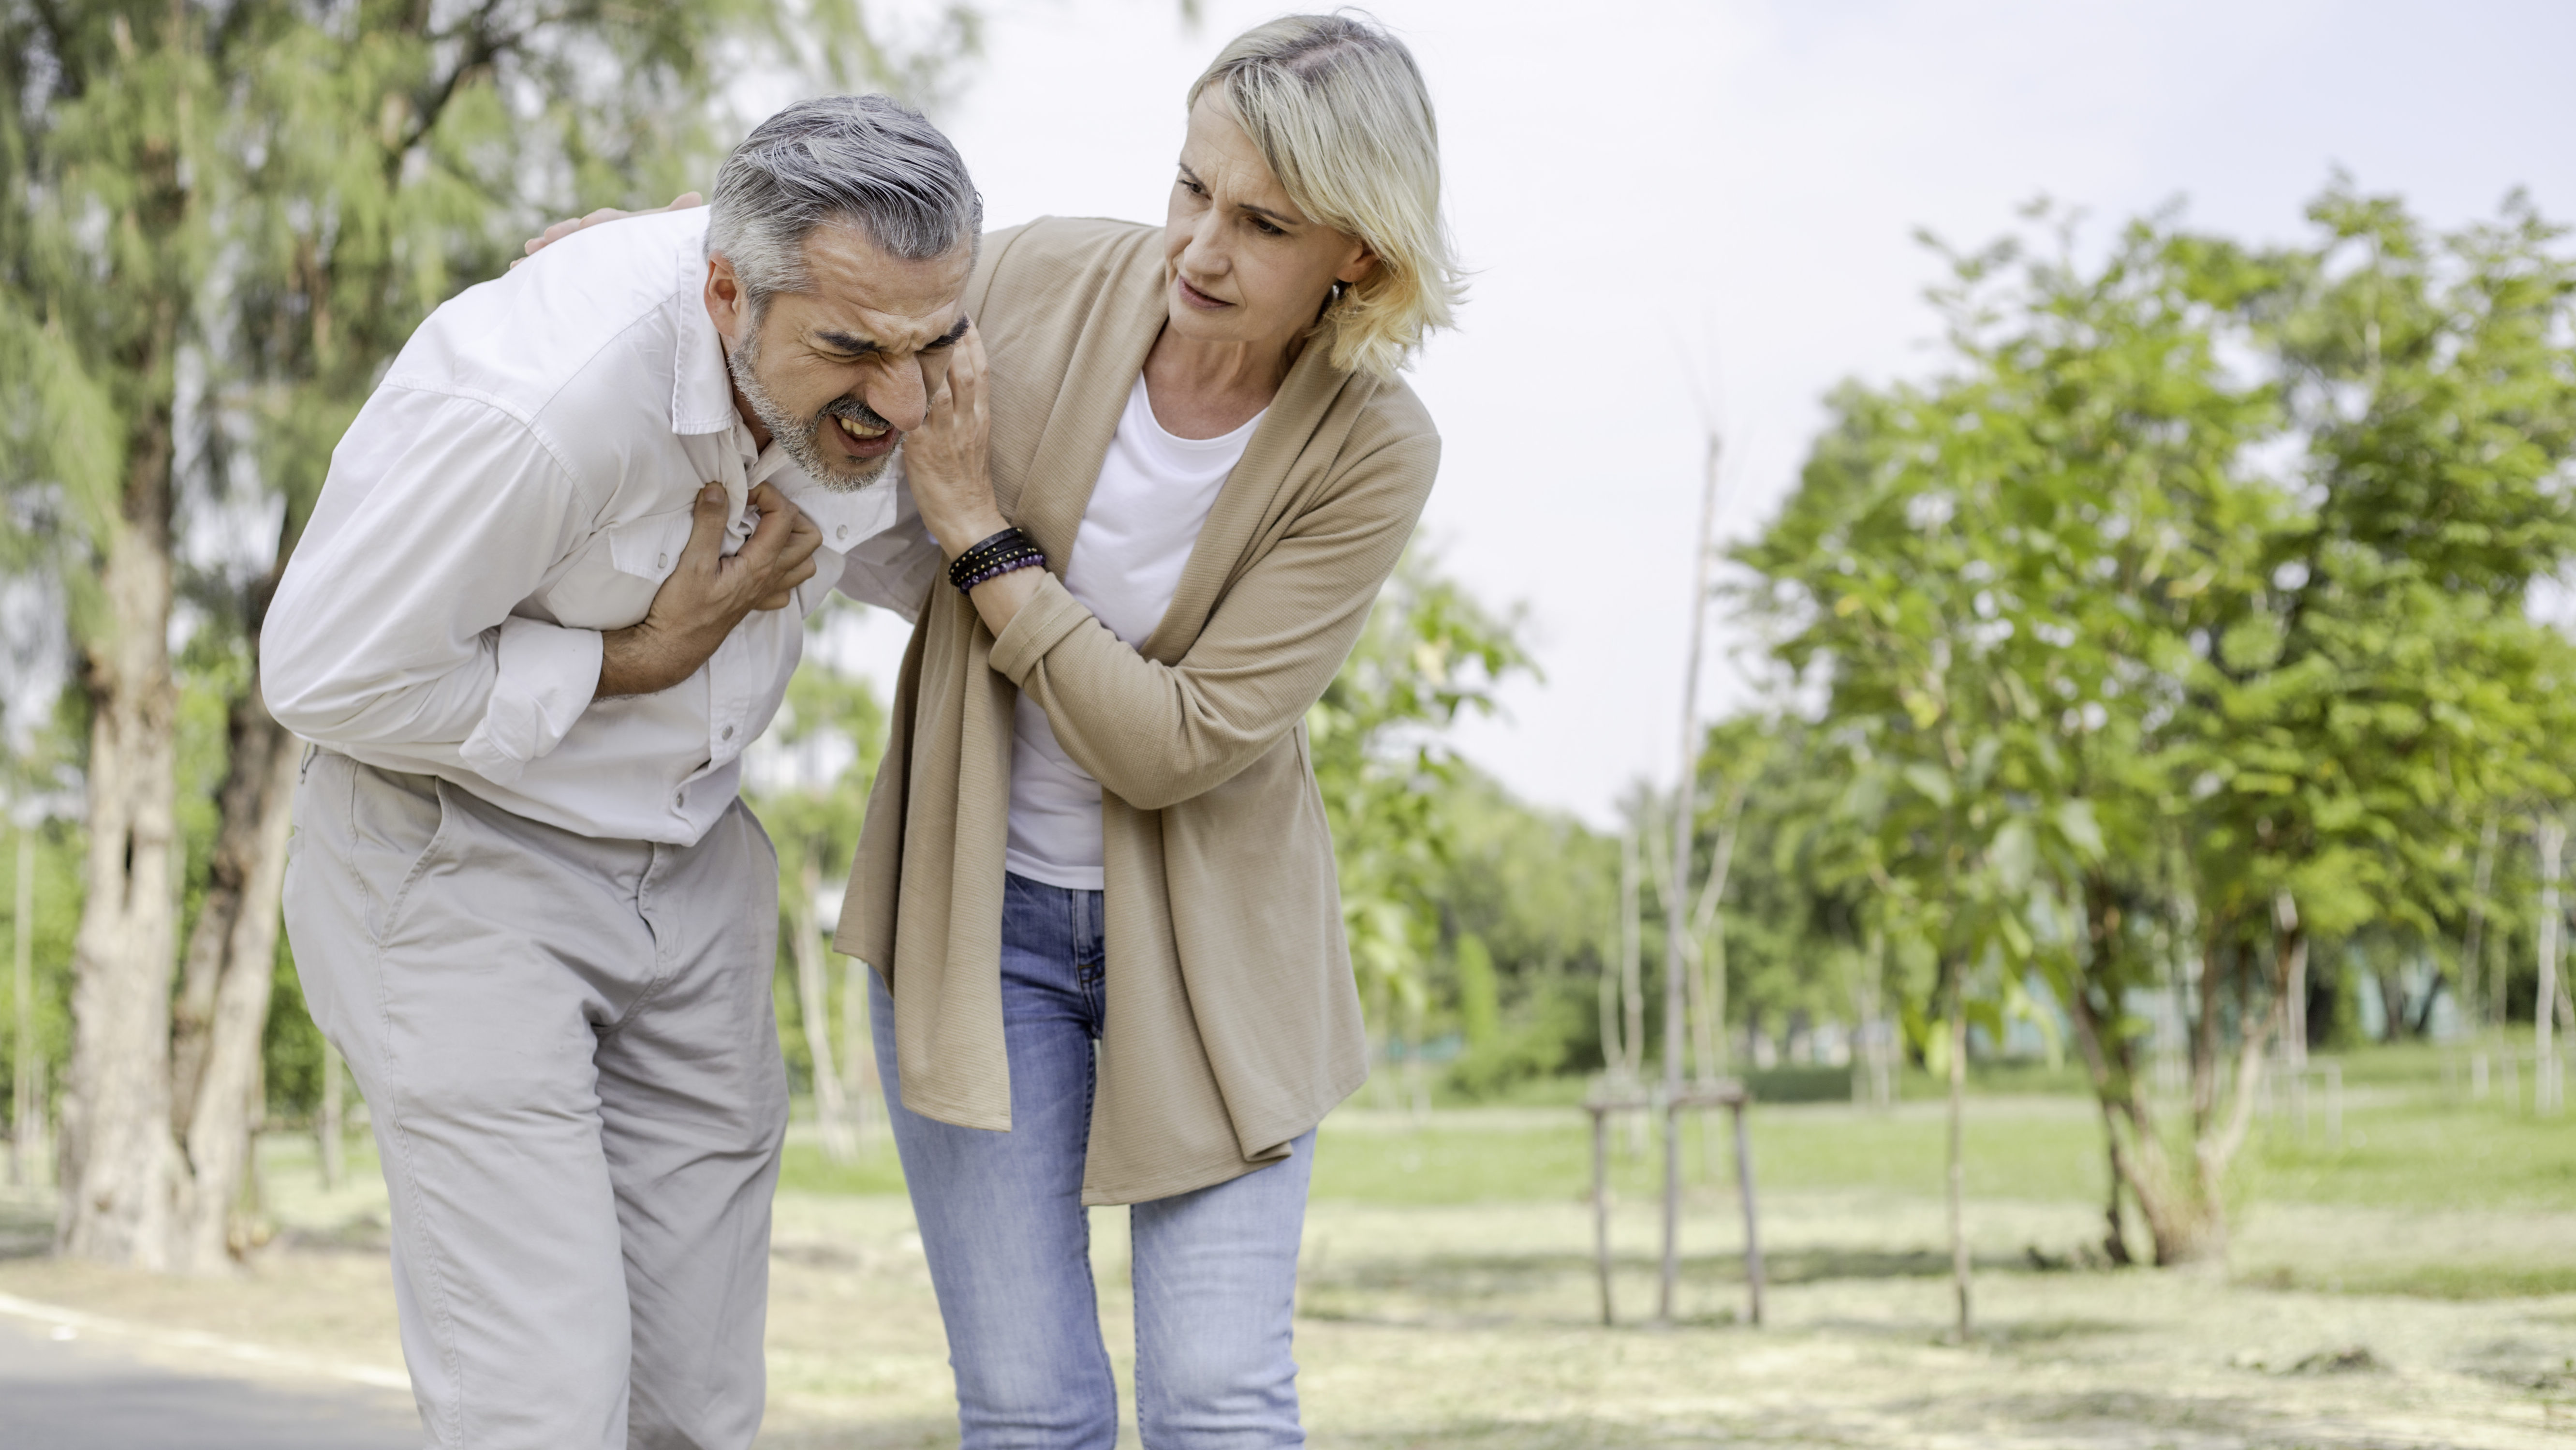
(1267, 229)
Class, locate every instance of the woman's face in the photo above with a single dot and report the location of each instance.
(1246, 265)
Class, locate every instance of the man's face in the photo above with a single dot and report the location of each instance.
(836, 374)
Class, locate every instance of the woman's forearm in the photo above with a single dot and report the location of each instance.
(1000, 599)
(1152, 733)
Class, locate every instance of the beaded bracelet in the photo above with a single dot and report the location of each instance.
(986, 565)
(984, 551)
(1001, 567)
(993, 557)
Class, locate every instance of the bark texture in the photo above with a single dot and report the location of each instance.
(813, 1008)
(216, 1084)
(2185, 1207)
(117, 1153)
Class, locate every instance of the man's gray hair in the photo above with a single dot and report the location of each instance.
(863, 161)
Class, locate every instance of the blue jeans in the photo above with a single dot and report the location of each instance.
(1009, 1241)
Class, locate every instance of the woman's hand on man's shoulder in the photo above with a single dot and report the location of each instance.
(570, 225)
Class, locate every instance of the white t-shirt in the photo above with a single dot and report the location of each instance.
(1146, 511)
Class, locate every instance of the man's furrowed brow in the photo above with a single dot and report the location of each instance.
(849, 343)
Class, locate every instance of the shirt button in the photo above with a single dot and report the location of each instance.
(728, 732)
(842, 532)
(661, 561)
(683, 799)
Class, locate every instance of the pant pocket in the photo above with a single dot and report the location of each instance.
(397, 827)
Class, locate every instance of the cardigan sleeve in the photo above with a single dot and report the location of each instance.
(1155, 734)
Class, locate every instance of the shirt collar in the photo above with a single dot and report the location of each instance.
(701, 387)
(845, 516)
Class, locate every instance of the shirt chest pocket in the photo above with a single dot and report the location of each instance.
(615, 579)
(649, 547)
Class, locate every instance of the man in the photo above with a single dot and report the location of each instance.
(555, 583)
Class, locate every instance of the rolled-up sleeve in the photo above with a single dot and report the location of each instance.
(1153, 734)
(393, 634)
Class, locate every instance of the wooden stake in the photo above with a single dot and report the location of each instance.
(1601, 1206)
(1958, 1143)
(1752, 1217)
(2546, 1089)
(1676, 908)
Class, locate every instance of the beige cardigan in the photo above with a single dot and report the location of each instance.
(1232, 1022)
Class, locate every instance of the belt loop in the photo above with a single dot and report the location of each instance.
(306, 767)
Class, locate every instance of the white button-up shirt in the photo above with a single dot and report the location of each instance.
(522, 481)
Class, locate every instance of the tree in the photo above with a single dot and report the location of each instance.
(2180, 625)
(220, 222)
(814, 772)
(1428, 652)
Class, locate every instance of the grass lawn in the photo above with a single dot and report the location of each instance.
(2413, 1284)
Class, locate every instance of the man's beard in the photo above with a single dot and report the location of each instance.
(801, 437)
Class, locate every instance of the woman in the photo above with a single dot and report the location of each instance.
(1097, 778)
(1098, 774)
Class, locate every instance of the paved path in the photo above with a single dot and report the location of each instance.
(82, 1393)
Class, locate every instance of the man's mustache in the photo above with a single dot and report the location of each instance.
(857, 412)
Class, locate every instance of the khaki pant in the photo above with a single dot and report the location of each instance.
(568, 1049)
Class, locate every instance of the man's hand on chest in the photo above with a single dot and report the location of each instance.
(709, 592)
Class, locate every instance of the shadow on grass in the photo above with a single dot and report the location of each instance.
(2473, 1280)
(1487, 1275)
(364, 1235)
(2085, 1418)
(915, 1432)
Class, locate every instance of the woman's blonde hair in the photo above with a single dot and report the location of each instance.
(1338, 108)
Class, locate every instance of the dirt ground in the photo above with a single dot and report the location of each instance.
(1478, 1325)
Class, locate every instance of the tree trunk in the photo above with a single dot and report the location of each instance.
(2217, 948)
(1632, 991)
(230, 965)
(858, 1051)
(2546, 1087)
(26, 1088)
(1870, 1059)
(813, 1008)
(227, 970)
(1707, 940)
(2294, 985)
(333, 1131)
(2176, 1222)
(2115, 1238)
(118, 1157)
(2473, 946)
(1958, 1144)
(1613, 1051)
(2216, 1141)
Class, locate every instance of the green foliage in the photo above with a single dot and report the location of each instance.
(221, 223)
(56, 848)
(1537, 891)
(1480, 1004)
(2180, 622)
(1429, 651)
(829, 735)
(810, 783)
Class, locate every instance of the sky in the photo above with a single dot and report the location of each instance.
(1684, 214)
